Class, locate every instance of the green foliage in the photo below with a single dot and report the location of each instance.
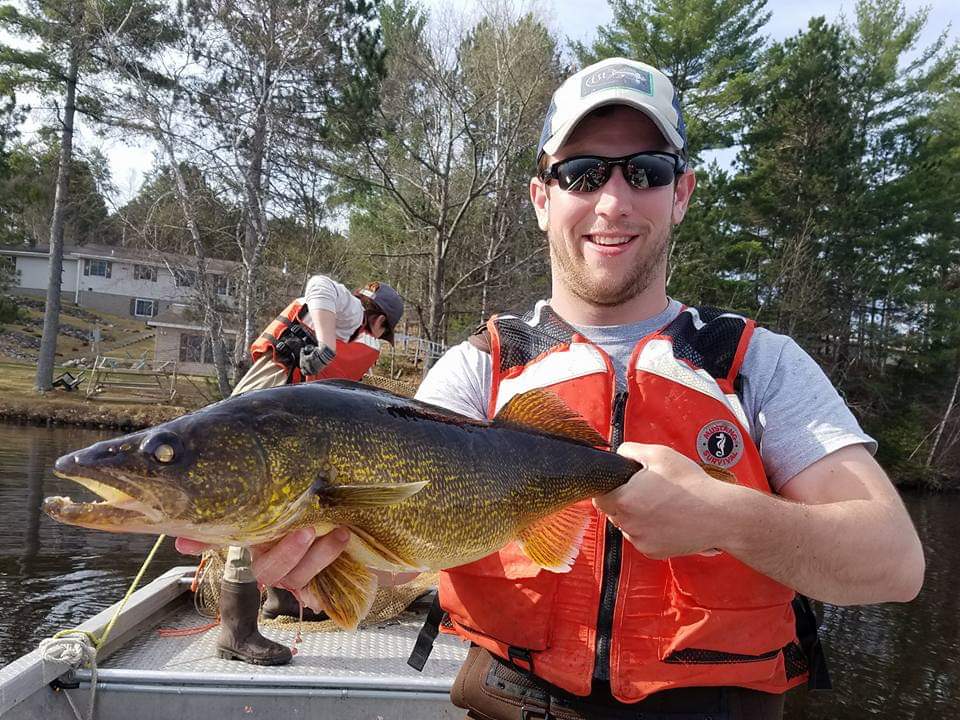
(154, 218)
(712, 260)
(798, 170)
(27, 186)
(438, 190)
(9, 309)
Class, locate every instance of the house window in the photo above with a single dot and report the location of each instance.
(192, 347)
(145, 272)
(143, 308)
(185, 278)
(98, 268)
(222, 284)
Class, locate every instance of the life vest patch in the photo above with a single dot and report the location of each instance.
(720, 443)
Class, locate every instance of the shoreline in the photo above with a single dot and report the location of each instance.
(49, 412)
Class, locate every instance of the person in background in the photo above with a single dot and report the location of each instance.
(329, 333)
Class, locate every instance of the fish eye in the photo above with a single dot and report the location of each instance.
(164, 453)
(163, 447)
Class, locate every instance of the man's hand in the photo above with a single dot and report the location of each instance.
(671, 507)
(313, 359)
(291, 562)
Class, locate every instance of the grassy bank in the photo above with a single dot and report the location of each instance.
(19, 402)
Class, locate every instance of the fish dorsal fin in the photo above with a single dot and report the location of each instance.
(542, 410)
(344, 589)
(366, 495)
(553, 542)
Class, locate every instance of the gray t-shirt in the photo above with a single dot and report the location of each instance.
(795, 415)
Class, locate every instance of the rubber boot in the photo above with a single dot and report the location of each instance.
(283, 602)
(239, 637)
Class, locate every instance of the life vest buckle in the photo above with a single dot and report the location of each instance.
(523, 655)
(534, 713)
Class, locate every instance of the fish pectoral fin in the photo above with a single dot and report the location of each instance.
(367, 495)
(346, 589)
(718, 473)
(553, 542)
(542, 410)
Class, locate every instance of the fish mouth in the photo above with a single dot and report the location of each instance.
(124, 505)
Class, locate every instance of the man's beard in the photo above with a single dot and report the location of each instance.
(577, 278)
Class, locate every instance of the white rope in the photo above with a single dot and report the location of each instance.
(73, 650)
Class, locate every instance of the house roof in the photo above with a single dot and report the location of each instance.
(142, 256)
(184, 317)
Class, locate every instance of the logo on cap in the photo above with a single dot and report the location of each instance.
(720, 443)
(622, 76)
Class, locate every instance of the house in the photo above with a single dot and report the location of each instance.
(185, 340)
(123, 281)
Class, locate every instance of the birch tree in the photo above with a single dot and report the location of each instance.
(445, 142)
(271, 72)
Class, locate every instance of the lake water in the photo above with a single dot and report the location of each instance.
(896, 661)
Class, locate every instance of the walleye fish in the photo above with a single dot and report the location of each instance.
(419, 487)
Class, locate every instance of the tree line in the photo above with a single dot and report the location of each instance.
(379, 139)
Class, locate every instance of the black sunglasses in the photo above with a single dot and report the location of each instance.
(588, 173)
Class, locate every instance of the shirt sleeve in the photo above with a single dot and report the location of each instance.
(323, 293)
(796, 415)
(461, 381)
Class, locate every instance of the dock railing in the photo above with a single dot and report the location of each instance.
(121, 377)
(417, 349)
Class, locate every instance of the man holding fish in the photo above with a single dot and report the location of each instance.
(686, 596)
(669, 580)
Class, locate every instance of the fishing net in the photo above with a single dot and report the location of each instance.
(206, 583)
(389, 602)
(398, 387)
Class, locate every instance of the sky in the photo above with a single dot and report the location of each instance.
(576, 20)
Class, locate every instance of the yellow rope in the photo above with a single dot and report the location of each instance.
(130, 591)
(101, 641)
(72, 651)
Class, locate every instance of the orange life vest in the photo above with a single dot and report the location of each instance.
(645, 625)
(353, 359)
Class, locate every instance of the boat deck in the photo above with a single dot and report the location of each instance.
(145, 675)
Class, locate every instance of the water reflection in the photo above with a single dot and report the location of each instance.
(53, 576)
(899, 661)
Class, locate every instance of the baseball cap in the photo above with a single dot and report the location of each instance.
(614, 81)
(387, 300)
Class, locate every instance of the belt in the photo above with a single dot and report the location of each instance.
(493, 689)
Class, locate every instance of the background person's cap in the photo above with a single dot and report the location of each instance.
(388, 301)
(615, 81)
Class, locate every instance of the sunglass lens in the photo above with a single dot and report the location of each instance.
(645, 171)
(582, 174)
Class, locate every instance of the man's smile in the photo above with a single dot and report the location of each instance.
(608, 243)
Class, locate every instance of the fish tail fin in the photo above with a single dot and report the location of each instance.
(345, 589)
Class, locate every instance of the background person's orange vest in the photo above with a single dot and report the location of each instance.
(352, 361)
(654, 624)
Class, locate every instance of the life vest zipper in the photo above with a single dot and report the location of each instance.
(613, 545)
